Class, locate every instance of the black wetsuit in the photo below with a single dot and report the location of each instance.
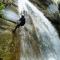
(22, 22)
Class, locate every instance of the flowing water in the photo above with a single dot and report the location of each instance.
(46, 34)
(39, 39)
(9, 14)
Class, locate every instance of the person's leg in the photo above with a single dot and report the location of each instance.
(16, 27)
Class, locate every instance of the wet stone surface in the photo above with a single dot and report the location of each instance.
(9, 42)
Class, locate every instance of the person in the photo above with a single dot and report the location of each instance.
(21, 22)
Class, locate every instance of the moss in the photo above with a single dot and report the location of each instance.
(8, 41)
(5, 40)
(9, 45)
(6, 24)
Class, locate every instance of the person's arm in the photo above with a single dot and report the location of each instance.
(18, 21)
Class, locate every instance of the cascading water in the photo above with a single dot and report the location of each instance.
(48, 41)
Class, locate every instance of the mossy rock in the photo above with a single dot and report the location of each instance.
(5, 40)
(9, 42)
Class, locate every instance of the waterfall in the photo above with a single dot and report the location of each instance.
(47, 38)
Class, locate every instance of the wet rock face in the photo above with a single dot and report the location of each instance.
(59, 7)
(9, 42)
(6, 1)
(41, 2)
(47, 2)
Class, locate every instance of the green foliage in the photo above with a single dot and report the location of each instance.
(1, 6)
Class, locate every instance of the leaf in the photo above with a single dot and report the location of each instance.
(1, 6)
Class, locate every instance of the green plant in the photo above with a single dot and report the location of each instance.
(1, 6)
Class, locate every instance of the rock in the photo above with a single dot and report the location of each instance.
(9, 41)
(59, 7)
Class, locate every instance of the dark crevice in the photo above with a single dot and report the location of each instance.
(56, 24)
(1, 58)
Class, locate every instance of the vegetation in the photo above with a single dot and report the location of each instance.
(1, 6)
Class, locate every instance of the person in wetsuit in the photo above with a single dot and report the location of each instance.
(21, 22)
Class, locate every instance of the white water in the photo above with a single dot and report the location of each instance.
(9, 14)
(45, 33)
